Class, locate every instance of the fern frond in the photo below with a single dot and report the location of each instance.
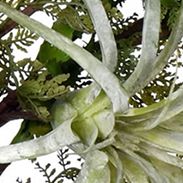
(23, 38)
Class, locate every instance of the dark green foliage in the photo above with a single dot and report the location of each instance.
(115, 3)
(170, 3)
(51, 56)
(75, 79)
(22, 39)
(77, 20)
(29, 129)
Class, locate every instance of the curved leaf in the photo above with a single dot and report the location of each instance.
(133, 171)
(116, 165)
(104, 121)
(150, 38)
(62, 111)
(106, 38)
(61, 136)
(163, 138)
(173, 174)
(146, 166)
(142, 119)
(161, 155)
(86, 130)
(95, 169)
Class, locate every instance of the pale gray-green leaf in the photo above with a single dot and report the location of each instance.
(86, 129)
(114, 156)
(62, 111)
(95, 169)
(173, 174)
(59, 137)
(146, 166)
(167, 139)
(150, 38)
(104, 120)
(104, 32)
(133, 171)
(161, 155)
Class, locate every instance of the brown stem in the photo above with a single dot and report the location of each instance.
(132, 29)
(10, 109)
(9, 102)
(136, 27)
(8, 116)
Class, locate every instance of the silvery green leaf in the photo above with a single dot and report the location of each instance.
(95, 168)
(172, 173)
(174, 123)
(59, 137)
(127, 141)
(163, 58)
(104, 32)
(137, 115)
(150, 34)
(146, 166)
(86, 129)
(150, 38)
(171, 45)
(161, 155)
(133, 171)
(104, 121)
(163, 139)
(105, 35)
(116, 165)
(142, 119)
(62, 111)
